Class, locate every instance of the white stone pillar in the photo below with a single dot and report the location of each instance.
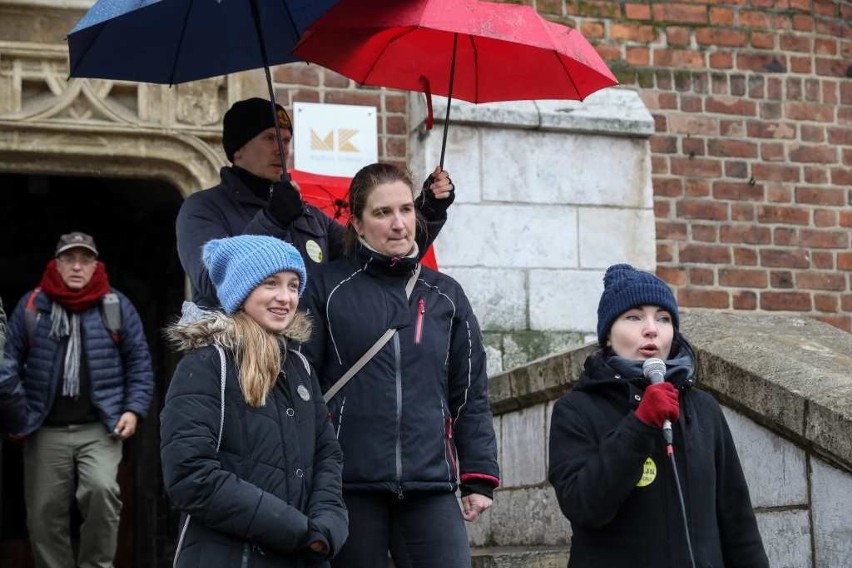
(550, 193)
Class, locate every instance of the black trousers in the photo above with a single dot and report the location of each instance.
(422, 530)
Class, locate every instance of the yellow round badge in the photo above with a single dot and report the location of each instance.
(649, 473)
(314, 251)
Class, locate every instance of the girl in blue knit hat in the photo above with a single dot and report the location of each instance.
(249, 456)
(645, 469)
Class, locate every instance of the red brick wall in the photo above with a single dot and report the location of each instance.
(752, 156)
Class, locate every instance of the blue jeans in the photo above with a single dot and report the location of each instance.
(423, 530)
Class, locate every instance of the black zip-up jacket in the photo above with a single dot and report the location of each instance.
(274, 485)
(418, 411)
(614, 481)
(232, 208)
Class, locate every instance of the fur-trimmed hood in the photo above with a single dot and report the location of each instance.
(200, 328)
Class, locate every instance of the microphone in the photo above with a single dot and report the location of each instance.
(655, 371)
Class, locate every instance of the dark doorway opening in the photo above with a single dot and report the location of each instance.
(132, 222)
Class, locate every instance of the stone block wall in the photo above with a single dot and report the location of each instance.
(549, 194)
(787, 396)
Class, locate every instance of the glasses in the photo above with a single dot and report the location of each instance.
(70, 260)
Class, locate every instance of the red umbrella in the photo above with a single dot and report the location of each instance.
(502, 52)
(329, 193)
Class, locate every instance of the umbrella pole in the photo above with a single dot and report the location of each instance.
(285, 175)
(449, 98)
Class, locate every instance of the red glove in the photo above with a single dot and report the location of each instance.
(660, 403)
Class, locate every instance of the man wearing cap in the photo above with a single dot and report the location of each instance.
(252, 199)
(86, 388)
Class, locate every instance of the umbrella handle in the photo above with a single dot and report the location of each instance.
(449, 98)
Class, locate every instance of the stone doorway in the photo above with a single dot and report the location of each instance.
(132, 221)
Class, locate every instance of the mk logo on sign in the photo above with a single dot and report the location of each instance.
(326, 143)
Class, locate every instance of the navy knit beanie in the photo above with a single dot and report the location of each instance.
(246, 119)
(238, 264)
(626, 288)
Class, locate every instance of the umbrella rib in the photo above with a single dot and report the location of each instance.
(568, 74)
(384, 50)
(475, 66)
(180, 41)
(291, 18)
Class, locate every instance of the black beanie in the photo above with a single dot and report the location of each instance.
(626, 288)
(246, 119)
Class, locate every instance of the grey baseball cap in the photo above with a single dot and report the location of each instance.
(75, 240)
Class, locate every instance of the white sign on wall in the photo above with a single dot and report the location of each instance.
(334, 140)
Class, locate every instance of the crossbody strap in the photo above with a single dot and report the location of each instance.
(365, 358)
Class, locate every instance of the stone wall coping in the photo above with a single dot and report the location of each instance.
(612, 111)
(791, 375)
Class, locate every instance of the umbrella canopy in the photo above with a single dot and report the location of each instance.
(504, 52)
(174, 41)
(328, 193)
(501, 52)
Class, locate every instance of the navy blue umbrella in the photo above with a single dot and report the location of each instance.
(175, 41)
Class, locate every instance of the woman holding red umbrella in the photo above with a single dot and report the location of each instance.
(400, 357)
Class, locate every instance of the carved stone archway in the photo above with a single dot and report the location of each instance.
(52, 124)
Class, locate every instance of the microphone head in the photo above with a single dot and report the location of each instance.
(654, 370)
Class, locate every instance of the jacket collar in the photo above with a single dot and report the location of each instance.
(199, 327)
(237, 186)
(376, 263)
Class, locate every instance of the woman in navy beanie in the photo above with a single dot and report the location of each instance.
(609, 459)
(249, 456)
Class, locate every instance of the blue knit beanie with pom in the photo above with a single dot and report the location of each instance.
(238, 264)
(626, 288)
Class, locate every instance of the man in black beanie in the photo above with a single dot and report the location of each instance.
(252, 199)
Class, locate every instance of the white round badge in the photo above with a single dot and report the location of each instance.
(314, 251)
(304, 393)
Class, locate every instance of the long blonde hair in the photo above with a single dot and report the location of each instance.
(258, 356)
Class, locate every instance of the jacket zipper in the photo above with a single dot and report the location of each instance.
(398, 364)
(418, 329)
(450, 448)
(246, 553)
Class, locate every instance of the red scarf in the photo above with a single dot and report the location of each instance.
(74, 300)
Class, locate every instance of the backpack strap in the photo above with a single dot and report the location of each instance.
(222, 375)
(31, 315)
(111, 315)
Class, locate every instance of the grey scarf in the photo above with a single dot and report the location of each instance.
(61, 326)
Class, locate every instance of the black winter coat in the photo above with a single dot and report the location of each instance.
(417, 414)
(273, 486)
(614, 481)
(13, 400)
(230, 209)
